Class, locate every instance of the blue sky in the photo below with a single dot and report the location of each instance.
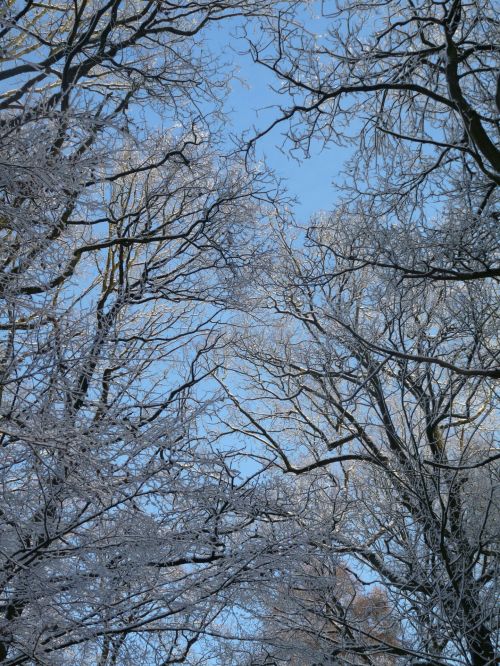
(310, 181)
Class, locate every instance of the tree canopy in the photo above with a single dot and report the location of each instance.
(230, 435)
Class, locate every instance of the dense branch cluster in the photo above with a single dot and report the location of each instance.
(227, 436)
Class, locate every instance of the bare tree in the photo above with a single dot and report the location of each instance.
(375, 340)
(345, 372)
(124, 230)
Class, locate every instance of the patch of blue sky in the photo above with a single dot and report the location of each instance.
(252, 105)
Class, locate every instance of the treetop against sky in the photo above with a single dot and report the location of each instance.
(235, 428)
